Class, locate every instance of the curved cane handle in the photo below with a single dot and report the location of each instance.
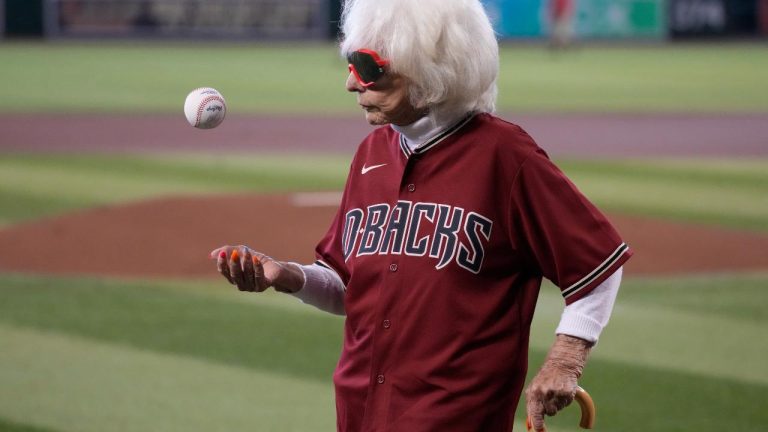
(587, 410)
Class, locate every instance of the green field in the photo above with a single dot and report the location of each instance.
(97, 354)
(89, 354)
(260, 78)
(185, 356)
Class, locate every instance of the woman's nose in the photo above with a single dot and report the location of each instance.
(352, 84)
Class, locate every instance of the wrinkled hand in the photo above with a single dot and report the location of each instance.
(554, 386)
(253, 271)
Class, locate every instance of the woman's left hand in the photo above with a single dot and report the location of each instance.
(554, 386)
(254, 271)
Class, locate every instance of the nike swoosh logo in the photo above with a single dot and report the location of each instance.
(366, 169)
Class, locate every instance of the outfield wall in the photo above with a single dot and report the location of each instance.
(762, 12)
(713, 18)
(226, 19)
(309, 19)
(316, 19)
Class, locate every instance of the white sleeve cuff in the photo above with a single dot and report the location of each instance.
(322, 289)
(586, 317)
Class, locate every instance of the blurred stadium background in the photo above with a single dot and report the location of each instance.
(111, 318)
(315, 19)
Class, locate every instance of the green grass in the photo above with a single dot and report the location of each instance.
(7, 426)
(731, 193)
(664, 78)
(93, 355)
(33, 186)
(69, 383)
(87, 354)
(747, 302)
(182, 322)
(155, 77)
(682, 324)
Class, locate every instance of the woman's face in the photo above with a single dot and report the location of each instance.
(386, 101)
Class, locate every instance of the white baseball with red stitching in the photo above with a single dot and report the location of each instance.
(205, 108)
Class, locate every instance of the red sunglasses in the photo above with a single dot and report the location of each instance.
(367, 66)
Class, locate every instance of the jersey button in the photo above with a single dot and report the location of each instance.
(386, 324)
(411, 187)
(393, 267)
(380, 379)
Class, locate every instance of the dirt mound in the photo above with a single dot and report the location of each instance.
(166, 237)
(172, 238)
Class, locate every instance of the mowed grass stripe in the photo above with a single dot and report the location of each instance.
(739, 297)
(49, 77)
(237, 329)
(84, 186)
(128, 176)
(33, 186)
(71, 376)
(9, 426)
(17, 205)
(653, 78)
(635, 398)
(208, 169)
(136, 314)
(96, 386)
(750, 174)
(665, 336)
(73, 384)
(716, 192)
(272, 78)
(725, 206)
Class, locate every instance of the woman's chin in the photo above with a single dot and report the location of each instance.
(376, 118)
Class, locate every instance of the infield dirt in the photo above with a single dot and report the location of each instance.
(172, 238)
(561, 135)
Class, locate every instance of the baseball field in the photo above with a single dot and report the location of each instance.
(113, 319)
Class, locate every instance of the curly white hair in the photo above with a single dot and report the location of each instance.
(447, 49)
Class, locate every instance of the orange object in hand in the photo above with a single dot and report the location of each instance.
(235, 256)
(587, 410)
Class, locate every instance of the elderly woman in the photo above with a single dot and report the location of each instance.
(449, 220)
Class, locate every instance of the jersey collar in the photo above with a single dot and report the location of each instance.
(437, 139)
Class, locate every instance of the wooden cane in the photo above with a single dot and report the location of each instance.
(587, 410)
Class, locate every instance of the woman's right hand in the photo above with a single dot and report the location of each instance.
(253, 271)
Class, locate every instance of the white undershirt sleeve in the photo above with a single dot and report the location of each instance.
(323, 289)
(586, 317)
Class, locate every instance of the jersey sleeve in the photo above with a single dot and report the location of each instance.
(560, 234)
(329, 251)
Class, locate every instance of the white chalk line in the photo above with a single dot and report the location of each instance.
(316, 199)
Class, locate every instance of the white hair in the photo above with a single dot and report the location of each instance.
(446, 49)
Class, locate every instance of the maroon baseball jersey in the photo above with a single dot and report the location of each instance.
(442, 251)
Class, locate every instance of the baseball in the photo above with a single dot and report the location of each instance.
(205, 108)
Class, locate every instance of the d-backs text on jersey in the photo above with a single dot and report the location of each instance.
(442, 232)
